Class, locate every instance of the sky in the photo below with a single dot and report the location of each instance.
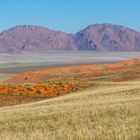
(69, 16)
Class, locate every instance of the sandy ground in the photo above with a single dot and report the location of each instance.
(12, 64)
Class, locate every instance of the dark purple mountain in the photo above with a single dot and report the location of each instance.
(108, 37)
(98, 37)
(33, 38)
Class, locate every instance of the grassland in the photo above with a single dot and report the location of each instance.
(104, 103)
(107, 111)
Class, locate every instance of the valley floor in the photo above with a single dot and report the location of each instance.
(107, 111)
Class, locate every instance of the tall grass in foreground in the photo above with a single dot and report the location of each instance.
(110, 111)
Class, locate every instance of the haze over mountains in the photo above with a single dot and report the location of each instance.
(98, 37)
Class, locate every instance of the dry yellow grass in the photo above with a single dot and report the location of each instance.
(108, 111)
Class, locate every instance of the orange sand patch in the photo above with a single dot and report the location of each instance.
(131, 66)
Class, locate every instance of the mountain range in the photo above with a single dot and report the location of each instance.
(97, 37)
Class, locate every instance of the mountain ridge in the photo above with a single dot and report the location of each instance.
(95, 37)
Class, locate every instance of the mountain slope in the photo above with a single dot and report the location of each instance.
(33, 38)
(108, 37)
(98, 37)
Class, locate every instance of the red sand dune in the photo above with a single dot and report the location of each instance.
(52, 82)
(129, 66)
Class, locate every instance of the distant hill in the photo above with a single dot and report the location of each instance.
(33, 38)
(108, 37)
(98, 37)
